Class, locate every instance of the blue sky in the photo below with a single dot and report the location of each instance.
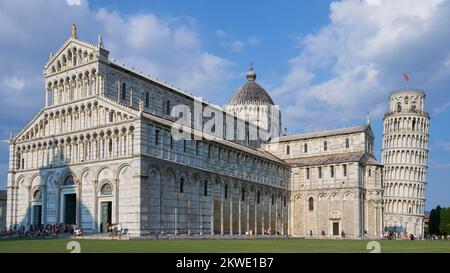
(326, 63)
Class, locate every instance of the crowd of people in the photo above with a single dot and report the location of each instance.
(265, 232)
(49, 230)
(115, 230)
(399, 236)
(437, 237)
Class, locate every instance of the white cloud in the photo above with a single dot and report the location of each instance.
(73, 2)
(445, 145)
(166, 48)
(349, 66)
(373, 2)
(221, 33)
(254, 40)
(14, 83)
(439, 165)
(237, 46)
(234, 44)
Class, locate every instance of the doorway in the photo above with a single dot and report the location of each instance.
(70, 207)
(37, 215)
(106, 215)
(335, 229)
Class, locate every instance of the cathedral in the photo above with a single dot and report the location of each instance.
(103, 150)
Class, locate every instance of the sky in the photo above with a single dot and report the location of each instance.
(325, 63)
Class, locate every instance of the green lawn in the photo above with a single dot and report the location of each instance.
(215, 246)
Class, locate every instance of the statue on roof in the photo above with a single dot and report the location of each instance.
(74, 31)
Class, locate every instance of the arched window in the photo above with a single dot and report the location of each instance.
(259, 196)
(69, 181)
(325, 146)
(147, 99)
(347, 143)
(37, 195)
(243, 194)
(305, 148)
(182, 184)
(311, 204)
(226, 191)
(168, 107)
(123, 91)
(399, 107)
(413, 107)
(288, 150)
(156, 137)
(106, 189)
(205, 188)
(110, 147)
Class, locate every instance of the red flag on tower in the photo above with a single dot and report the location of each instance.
(405, 77)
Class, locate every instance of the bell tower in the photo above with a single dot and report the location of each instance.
(405, 156)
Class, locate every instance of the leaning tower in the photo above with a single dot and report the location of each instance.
(405, 155)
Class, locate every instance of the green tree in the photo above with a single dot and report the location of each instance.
(431, 223)
(438, 220)
(444, 220)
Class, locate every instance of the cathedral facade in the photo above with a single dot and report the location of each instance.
(102, 150)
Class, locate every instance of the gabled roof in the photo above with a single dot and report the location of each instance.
(360, 157)
(70, 41)
(326, 159)
(342, 131)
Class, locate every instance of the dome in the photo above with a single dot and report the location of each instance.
(251, 92)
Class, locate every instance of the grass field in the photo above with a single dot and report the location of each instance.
(220, 246)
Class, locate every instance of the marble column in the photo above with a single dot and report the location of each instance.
(231, 207)
(240, 208)
(212, 206)
(221, 207)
